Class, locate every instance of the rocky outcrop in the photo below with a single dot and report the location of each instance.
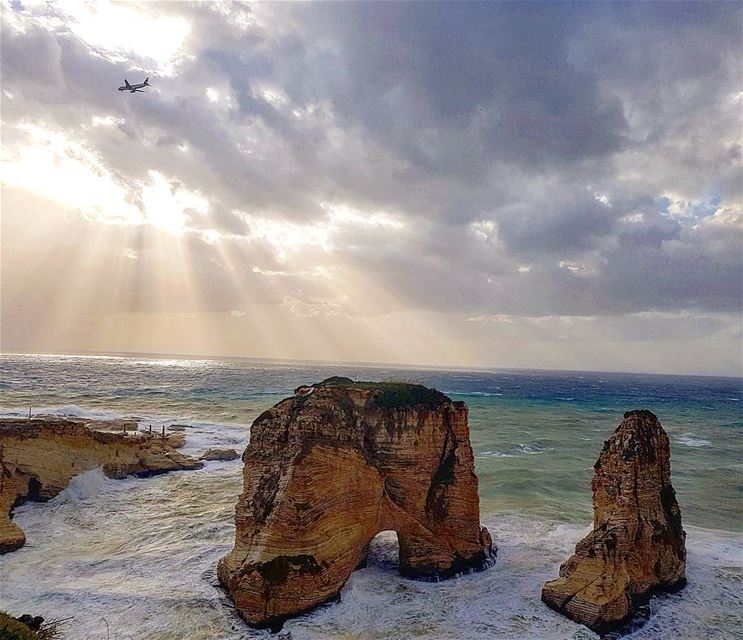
(637, 545)
(219, 454)
(39, 457)
(15, 629)
(328, 469)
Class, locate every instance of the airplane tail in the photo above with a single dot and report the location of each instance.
(147, 81)
(126, 82)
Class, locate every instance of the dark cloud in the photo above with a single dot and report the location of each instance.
(458, 87)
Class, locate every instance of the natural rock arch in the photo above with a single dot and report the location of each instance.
(330, 468)
(34, 489)
(377, 554)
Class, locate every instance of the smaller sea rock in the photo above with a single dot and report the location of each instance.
(175, 440)
(637, 545)
(220, 454)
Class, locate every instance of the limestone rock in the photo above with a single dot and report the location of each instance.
(328, 469)
(114, 424)
(175, 440)
(637, 545)
(38, 458)
(220, 454)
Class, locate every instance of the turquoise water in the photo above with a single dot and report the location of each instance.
(141, 553)
(536, 434)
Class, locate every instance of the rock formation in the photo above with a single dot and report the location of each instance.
(328, 469)
(219, 454)
(637, 545)
(15, 629)
(38, 458)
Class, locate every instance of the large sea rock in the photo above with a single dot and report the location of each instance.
(332, 466)
(637, 545)
(39, 457)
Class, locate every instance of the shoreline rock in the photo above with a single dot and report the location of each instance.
(220, 454)
(39, 457)
(637, 546)
(328, 469)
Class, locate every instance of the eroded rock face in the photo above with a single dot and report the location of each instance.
(328, 469)
(637, 545)
(38, 458)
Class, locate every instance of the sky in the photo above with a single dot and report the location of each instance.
(547, 185)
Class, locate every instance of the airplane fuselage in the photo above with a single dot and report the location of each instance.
(133, 88)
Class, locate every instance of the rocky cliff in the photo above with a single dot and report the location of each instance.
(637, 545)
(38, 458)
(328, 469)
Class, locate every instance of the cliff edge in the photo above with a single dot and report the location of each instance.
(39, 457)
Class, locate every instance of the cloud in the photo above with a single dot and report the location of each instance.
(532, 159)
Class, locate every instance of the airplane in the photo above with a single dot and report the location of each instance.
(131, 88)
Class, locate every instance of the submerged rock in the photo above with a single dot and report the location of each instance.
(637, 545)
(328, 469)
(39, 457)
(220, 454)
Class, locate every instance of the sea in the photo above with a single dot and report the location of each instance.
(135, 559)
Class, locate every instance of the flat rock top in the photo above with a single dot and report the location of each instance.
(103, 431)
(381, 395)
(24, 428)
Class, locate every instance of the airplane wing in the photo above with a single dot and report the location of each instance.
(140, 90)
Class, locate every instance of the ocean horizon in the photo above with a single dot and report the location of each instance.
(370, 364)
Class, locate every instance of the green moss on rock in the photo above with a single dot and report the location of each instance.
(392, 395)
(12, 629)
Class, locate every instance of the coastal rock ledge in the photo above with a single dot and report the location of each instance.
(637, 545)
(39, 457)
(328, 469)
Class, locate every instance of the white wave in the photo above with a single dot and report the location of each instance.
(691, 440)
(200, 435)
(529, 449)
(493, 454)
(87, 485)
(517, 449)
(473, 394)
(143, 552)
(504, 601)
(65, 410)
